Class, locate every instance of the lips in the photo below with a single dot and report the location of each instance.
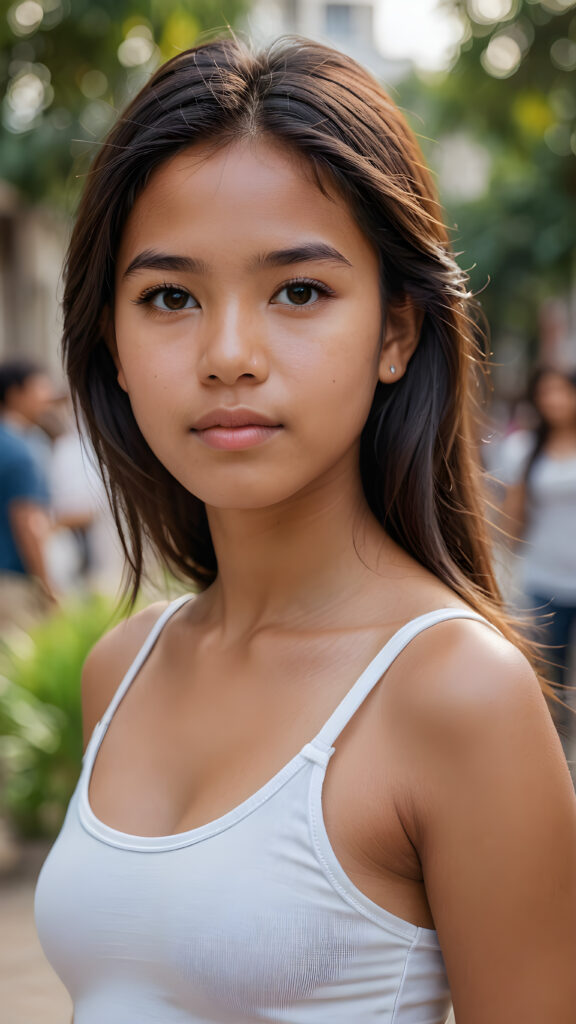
(234, 418)
(235, 429)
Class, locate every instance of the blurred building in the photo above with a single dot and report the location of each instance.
(32, 246)
(33, 238)
(347, 26)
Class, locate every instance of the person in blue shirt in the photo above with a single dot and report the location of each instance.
(25, 393)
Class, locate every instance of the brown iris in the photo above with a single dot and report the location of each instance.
(299, 294)
(175, 299)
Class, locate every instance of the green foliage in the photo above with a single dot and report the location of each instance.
(511, 92)
(68, 66)
(40, 713)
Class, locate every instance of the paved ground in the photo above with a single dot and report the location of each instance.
(30, 992)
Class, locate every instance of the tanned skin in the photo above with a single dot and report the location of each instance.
(448, 801)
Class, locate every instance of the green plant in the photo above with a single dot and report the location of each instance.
(40, 713)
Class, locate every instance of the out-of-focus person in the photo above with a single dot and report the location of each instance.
(83, 551)
(539, 468)
(26, 591)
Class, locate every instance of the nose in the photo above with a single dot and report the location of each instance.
(233, 348)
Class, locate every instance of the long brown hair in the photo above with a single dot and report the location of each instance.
(419, 462)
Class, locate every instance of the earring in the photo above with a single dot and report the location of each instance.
(392, 369)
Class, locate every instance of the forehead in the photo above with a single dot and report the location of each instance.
(248, 194)
(553, 380)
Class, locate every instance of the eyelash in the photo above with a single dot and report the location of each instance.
(148, 294)
(146, 297)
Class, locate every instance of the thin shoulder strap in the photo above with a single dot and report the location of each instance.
(141, 657)
(378, 666)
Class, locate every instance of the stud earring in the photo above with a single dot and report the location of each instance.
(392, 369)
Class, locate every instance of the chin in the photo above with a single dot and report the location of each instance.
(242, 494)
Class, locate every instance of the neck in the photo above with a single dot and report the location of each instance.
(293, 563)
(15, 419)
(564, 434)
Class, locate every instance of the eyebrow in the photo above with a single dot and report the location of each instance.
(152, 260)
(308, 252)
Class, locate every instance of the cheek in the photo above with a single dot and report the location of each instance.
(334, 406)
(151, 391)
(350, 375)
(145, 366)
(147, 387)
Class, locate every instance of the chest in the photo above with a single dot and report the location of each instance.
(241, 923)
(185, 748)
(552, 483)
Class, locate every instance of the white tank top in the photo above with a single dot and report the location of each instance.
(247, 919)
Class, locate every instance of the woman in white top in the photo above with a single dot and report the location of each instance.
(541, 502)
(270, 343)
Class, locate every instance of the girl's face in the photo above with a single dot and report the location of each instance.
(555, 399)
(248, 325)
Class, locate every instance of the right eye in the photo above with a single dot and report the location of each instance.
(173, 299)
(168, 300)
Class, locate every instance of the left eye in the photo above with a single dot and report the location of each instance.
(172, 299)
(298, 294)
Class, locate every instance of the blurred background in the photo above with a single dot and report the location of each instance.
(489, 88)
(488, 85)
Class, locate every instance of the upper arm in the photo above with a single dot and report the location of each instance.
(22, 481)
(28, 518)
(108, 662)
(494, 822)
(26, 497)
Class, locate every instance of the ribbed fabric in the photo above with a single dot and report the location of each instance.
(247, 919)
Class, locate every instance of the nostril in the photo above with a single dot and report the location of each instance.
(232, 378)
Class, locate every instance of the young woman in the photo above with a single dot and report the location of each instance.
(269, 341)
(541, 505)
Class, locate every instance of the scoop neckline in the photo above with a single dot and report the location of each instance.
(175, 840)
(315, 750)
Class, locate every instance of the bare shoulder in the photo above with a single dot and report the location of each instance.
(110, 659)
(463, 675)
(486, 798)
(465, 716)
(473, 736)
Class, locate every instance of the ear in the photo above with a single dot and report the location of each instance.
(109, 336)
(402, 326)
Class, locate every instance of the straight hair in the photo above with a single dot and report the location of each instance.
(419, 455)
